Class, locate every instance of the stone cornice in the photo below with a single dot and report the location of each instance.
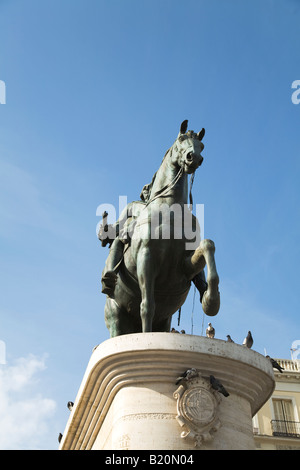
(146, 357)
(287, 377)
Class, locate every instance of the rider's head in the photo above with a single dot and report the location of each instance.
(144, 196)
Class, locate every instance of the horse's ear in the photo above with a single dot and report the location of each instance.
(201, 134)
(183, 127)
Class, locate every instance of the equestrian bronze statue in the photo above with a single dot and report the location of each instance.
(155, 249)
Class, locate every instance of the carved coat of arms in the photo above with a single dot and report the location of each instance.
(197, 406)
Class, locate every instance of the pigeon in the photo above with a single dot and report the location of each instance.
(182, 332)
(229, 339)
(216, 385)
(60, 437)
(70, 405)
(248, 341)
(275, 364)
(210, 331)
(189, 374)
(174, 331)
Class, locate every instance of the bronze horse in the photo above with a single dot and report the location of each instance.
(149, 275)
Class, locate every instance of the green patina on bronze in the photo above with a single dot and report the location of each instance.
(150, 266)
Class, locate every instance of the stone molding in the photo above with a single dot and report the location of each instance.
(146, 359)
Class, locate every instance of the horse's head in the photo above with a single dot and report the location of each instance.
(187, 149)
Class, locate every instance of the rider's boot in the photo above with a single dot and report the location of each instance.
(108, 281)
(109, 274)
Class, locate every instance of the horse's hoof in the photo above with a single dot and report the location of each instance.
(210, 305)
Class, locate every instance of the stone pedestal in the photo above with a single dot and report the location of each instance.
(128, 398)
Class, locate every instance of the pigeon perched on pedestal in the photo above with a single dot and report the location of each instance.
(187, 375)
(216, 385)
(210, 331)
(70, 405)
(248, 341)
(229, 339)
(275, 364)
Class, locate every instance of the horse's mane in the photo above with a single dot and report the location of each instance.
(148, 187)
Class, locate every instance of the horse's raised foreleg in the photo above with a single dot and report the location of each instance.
(204, 255)
(145, 275)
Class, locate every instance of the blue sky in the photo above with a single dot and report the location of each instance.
(95, 94)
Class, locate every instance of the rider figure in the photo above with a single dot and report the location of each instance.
(117, 236)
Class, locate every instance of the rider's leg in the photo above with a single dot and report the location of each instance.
(124, 228)
(109, 276)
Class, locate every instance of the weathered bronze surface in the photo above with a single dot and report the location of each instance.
(150, 265)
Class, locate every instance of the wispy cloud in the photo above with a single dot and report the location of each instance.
(24, 412)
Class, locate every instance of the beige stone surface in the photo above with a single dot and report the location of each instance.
(126, 399)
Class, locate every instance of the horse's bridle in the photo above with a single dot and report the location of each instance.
(162, 192)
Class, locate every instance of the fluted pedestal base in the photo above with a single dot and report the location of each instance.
(128, 398)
